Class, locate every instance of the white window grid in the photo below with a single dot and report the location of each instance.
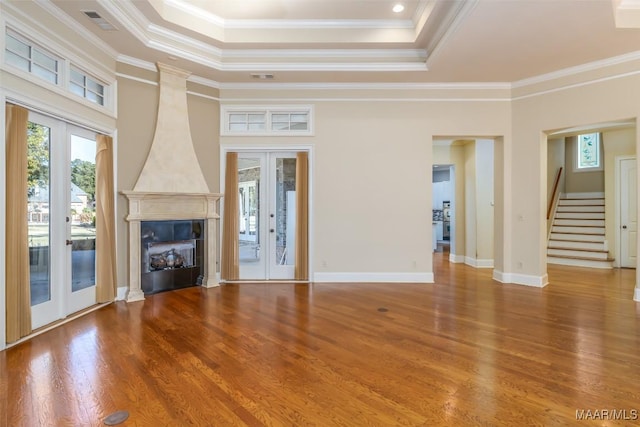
(27, 56)
(267, 120)
(85, 86)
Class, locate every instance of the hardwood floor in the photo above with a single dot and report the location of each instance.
(465, 351)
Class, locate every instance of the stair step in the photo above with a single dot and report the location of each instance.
(577, 222)
(580, 262)
(576, 244)
(581, 208)
(581, 230)
(580, 253)
(581, 202)
(580, 215)
(578, 237)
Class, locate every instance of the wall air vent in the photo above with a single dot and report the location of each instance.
(99, 20)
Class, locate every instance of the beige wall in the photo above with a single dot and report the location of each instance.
(581, 182)
(470, 207)
(555, 160)
(616, 143)
(372, 175)
(534, 114)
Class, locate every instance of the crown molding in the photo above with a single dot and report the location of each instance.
(289, 24)
(135, 62)
(149, 66)
(162, 39)
(446, 31)
(576, 85)
(572, 71)
(367, 86)
(318, 24)
(324, 53)
(130, 18)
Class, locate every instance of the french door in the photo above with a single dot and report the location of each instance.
(61, 218)
(267, 215)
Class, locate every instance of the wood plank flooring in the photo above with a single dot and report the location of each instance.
(465, 351)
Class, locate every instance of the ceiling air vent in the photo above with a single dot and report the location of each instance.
(262, 76)
(99, 20)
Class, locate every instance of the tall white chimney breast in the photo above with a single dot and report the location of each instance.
(172, 165)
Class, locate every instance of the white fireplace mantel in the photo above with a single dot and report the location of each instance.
(156, 206)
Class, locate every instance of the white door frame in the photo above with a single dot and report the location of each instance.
(618, 204)
(308, 148)
(63, 301)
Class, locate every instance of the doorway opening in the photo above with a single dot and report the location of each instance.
(592, 214)
(467, 199)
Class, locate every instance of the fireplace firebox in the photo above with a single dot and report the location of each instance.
(172, 255)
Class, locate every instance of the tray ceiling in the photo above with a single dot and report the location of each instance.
(362, 41)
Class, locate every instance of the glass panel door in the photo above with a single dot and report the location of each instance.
(251, 175)
(38, 144)
(282, 215)
(61, 218)
(266, 197)
(82, 215)
(43, 135)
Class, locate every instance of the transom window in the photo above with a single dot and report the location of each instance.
(30, 58)
(86, 87)
(44, 68)
(247, 122)
(267, 120)
(588, 152)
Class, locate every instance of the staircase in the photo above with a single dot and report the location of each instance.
(577, 234)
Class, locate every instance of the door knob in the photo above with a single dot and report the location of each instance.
(624, 226)
(271, 230)
(69, 242)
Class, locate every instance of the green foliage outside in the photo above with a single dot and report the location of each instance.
(37, 157)
(83, 173)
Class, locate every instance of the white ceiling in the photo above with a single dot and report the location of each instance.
(317, 41)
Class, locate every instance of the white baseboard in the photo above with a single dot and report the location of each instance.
(121, 294)
(374, 277)
(521, 279)
(636, 295)
(456, 259)
(478, 263)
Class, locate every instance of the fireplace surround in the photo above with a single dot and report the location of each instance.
(145, 207)
(171, 187)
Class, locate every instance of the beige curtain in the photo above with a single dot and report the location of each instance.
(18, 291)
(230, 251)
(106, 276)
(302, 217)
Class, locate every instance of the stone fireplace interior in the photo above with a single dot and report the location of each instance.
(172, 255)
